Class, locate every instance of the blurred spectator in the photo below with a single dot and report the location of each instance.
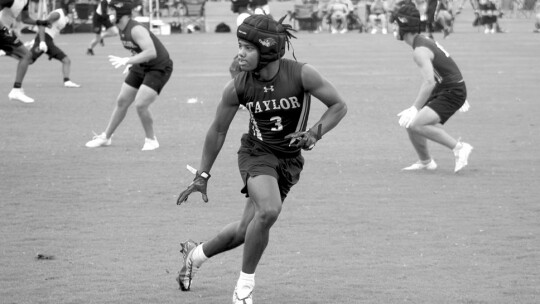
(259, 7)
(488, 15)
(444, 17)
(377, 16)
(338, 10)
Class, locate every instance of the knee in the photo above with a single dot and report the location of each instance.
(269, 215)
(66, 60)
(141, 108)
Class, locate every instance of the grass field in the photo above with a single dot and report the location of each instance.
(354, 230)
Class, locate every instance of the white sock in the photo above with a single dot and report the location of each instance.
(198, 257)
(245, 284)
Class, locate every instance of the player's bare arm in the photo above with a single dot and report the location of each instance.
(320, 88)
(423, 56)
(142, 37)
(215, 137)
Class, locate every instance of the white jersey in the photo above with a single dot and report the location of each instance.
(58, 25)
(8, 15)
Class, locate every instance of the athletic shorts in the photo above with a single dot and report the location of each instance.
(446, 100)
(153, 78)
(99, 21)
(52, 50)
(9, 42)
(254, 159)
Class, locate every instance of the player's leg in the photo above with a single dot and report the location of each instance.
(265, 196)
(125, 99)
(96, 29)
(144, 98)
(427, 124)
(110, 32)
(230, 237)
(26, 58)
(153, 83)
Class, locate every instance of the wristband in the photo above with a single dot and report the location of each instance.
(205, 175)
(42, 22)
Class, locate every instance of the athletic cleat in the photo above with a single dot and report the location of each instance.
(246, 300)
(150, 144)
(90, 52)
(432, 165)
(462, 156)
(99, 141)
(187, 272)
(18, 94)
(71, 84)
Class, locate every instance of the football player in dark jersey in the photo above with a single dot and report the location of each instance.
(101, 18)
(148, 70)
(441, 94)
(277, 94)
(12, 45)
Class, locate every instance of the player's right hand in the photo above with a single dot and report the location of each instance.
(197, 185)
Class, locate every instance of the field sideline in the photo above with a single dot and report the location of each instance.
(354, 230)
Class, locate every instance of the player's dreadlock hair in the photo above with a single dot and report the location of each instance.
(268, 35)
(408, 19)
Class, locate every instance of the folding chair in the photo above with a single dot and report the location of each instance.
(526, 8)
(192, 12)
(304, 17)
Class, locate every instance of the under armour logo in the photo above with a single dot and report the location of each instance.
(271, 88)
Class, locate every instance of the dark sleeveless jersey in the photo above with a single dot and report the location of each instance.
(277, 107)
(162, 57)
(445, 69)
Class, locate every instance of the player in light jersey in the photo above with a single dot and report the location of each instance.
(441, 94)
(12, 45)
(101, 19)
(277, 94)
(149, 69)
(57, 20)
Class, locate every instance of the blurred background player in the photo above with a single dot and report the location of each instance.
(57, 20)
(101, 19)
(441, 94)
(149, 69)
(270, 159)
(12, 45)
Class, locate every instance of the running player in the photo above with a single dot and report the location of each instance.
(12, 45)
(442, 93)
(101, 19)
(277, 93)
(149, 69)
(57, 20)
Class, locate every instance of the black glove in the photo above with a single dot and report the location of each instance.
(198, 184)
(305, 140)
(42, 23)
(7, 35)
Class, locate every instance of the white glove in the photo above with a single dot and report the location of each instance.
(126, 70)
(118, 61)
(406, 116)
(465, 107)
(43, 46)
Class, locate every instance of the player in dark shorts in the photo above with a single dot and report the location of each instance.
(12, 45)
(277, 94)
(101, 19)
(57, 20)
(149, 69)
(442, 93)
